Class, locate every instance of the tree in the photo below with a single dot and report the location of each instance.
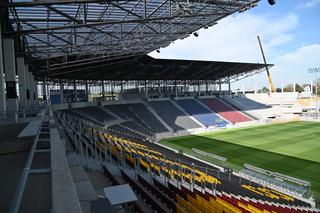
(288, 88)
(264, 90)
(278, 90)
(299, 88)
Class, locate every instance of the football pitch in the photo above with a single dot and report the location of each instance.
(292, 148)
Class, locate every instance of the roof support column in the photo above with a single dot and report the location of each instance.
(198, 88)
(75, 95)
(44, 91)
(87, 91)
(229, 86)
(176, 88)
(112, 90)
(219, 86)
(61, 91)
(22, 80)
(3, 102)
(146, 89)
(103, 92)
(121, 87)
(33, 88)
(9, 60)
(206, 87)
(27, 77)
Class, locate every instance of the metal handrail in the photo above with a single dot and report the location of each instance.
(16, 202)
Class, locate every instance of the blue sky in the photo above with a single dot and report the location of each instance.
(290, 33)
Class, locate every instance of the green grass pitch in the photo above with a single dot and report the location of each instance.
(290, 148)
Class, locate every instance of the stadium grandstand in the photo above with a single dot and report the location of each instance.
(85, 113)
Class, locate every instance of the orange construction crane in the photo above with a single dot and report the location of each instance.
(267, 68)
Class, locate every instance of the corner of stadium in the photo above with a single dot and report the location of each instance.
(90, 122)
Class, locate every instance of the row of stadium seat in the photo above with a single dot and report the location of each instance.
(137, 154)
(150, 159)
(224, 110)
(173, 116)
(139, 114)
(94, 113)
(202, 114)
(143, 121)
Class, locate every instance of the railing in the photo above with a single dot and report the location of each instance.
(16, 202)
(20, 113)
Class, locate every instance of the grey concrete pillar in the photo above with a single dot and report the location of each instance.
(32, 89)
(121, 86)
(207, 86)
(28, 91)
(282, 87)
(75, 91)
(3, 105)
(176, 88)
(9, 60)
(22, 81)
(87, 91)
(44, 91)
(102, 89)
(61, 92)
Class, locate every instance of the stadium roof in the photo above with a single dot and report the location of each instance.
(68, 31)
(147, 68)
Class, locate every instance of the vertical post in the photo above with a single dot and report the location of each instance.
(10, 70)
(61, 91)
(102, 90)
(207, 87)
(294, 87)
(3, 103)
(146, 89)
(27, 77)
(219, 86)
(22, 80)
(87, 91)
(243, 89)
(311, 87)
(229, 86)
(44, 91)
(33, 87)
(198, 88)
(121, 87)
(75, 95)
(112, 90)
(282, 86)
(176, 88)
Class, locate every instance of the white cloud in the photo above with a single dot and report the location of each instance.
(234, 39)
(309, 4)
(294, 65)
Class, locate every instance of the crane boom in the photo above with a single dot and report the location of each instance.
(272, 89)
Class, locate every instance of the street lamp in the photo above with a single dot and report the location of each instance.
(315, 70)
